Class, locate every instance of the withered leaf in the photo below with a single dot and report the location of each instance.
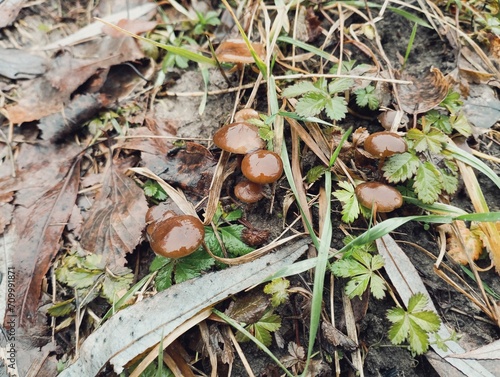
(424, 94)
(117, 218)
(337, 337)
(249, 308)
(38, 229)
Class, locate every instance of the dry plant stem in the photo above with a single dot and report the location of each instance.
(335, 76)
(297, 177)
(332, 316)
(153, 354)
(240, 352)
(471, 295)
(210, 92)
(205, 336)
(350, 323)
(215, 187)
(176, 352)
(341, 29)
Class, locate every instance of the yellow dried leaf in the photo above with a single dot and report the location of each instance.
(472, 242)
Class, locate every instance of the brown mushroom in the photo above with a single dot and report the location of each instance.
(236, 51)
(384, 144)
(238, 137)
(177, 236)
(262, 166)
(379, 197)
(245, 114)
(248, 192)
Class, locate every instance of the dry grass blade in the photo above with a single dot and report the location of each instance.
(352, 332)
(297, 177)
(216, 187)
(176, 195)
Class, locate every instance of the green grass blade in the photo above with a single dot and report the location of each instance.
(410, 17)
(410, 43)
(240, 328)
(307, 47)
(473, 161)
(480, 217)
(436, 208)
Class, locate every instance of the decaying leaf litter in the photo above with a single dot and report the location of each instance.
(98, 127)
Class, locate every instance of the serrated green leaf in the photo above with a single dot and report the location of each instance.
(418, 338)
(427, 320)
(299, 89)
(266, 133)
(347, 267)
(400, 167)
(377, 262)
(377, 287)
(433, 141)
(336, 108)
(367, 97)
(450, 182)
(315, 173)
(398, 332)
(428, 184)
(82, 278)
(311, 104)
(278, 288)
(357, 285)
(396, 314)
(163, 279)
(461, 124)
(417, 302)
(262, 329)
(270, 321)
(233, 215)
(231, 237)
(61, 308)
(452, 102)
(439, 121)
(192, 265)
(349, 201)
(112, 286)
(340, 85)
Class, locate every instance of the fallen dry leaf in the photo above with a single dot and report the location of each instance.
(487, 352)
(38, 229)
(472, 242)
(117, 218)
(49, 94)
(19, 64)
(424, 94)
(133, 26)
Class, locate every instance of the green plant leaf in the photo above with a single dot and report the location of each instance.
(62, 308)
(450, 182)
(262, 329)
(191, 266)
(349, 201)
(278, 289)
(428, 183)
(336, 108)
(439, 121)
(367, 97)
(433, 141)
(461, 124)
(315, 173)
(311, 104)
(299, 89)
(340, 85)
(415, 324)
(400, 167)
(452, 102)
(231, 237)
(113, 287)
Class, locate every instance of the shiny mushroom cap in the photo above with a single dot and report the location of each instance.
(385, 198)
(262, 166)
(384, 144)
(248, 192)
(245, 114)
(236, 51)
(177, 236)
(239, 138)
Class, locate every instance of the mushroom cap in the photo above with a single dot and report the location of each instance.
(238, 137)
(236, 51)
(384, 144)
(248, 192)
(262, 166)
(245, 114)
(387, 198)
(177, 236)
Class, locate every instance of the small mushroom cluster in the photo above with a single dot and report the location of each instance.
(259, 165)
(171, 235)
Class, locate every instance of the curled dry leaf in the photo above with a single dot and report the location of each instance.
(470, 237)
(115, 224)
(425, 93)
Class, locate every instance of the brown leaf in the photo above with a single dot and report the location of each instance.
(337, 338)
(115, 224)
(424, 94)
(39, 230)
(472, 242)
(48, 94)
